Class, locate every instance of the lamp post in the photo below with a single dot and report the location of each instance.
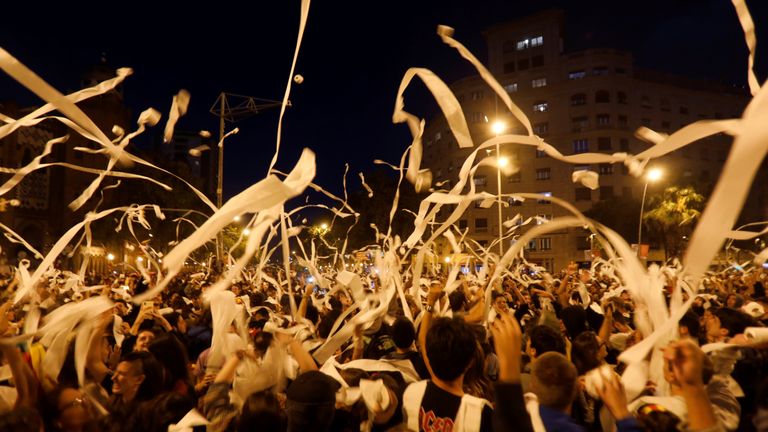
(652, 176)
(498, 127)
(230, 108)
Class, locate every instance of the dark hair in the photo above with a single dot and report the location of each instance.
(553, 379)
(457, 300)
(656, 420)
(575, 320)
(402, 333)
(21, 419)
(326, 324)
(152, 371)
(172, 354)
(261, 411)
(584, 352)
(450, 347)
(735, 321)
(157, 414)
(545, 339)
(691, 321)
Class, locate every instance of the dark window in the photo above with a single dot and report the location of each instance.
(541, 129)
(583, 194)
(606, 192)
(481, 224)
(515, 202)
(606, 169)
(602, 96)
(665, 125)
(621, 97)
(537, 61)
(462, 224)
(545, 201)
(515, 177)
(540, 153)
(683, 110)
(543, 174)
(580, 145)
(626, 191)
(664, 104)
(531, 245)
(508, 46)
(582, 243)
(579, 123)
(545, 243)
(645, 101)
(523, 64)
(622, 120)
(509, 67)
(600, 70)
(579, 99)
(624, 144)
(604, 143)
(646, 122)
(621, 71)
(603, 120)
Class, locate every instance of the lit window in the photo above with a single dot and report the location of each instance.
(543, 218)
(531, 246)
(545, 201)
(540, 107)
(580, 146)
(606, 169)
(582, 168)
(603, 120)
(515, 202)
(539, 82)
(523, 44)
(480, 180)
(545, 243)
(511, 88)
(537, 41)
(543, 174)
(476, 95)
(576, 74)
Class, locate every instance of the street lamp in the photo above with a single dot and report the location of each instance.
(498, 127)
(652, 176)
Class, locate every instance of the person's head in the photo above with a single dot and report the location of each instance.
(172, 354)
(261, 411)
(143, 339)
(553, 381)
(311, 402)
(653, 417)
(587, 352)
(689, 325)
(21, 419)
(725, 323)
(450, 348)
(499, 302)
(543, 339)
(403, 333)
(138, 376)
(457, 300)
(574, 320)
(73, 409)
(734, 301)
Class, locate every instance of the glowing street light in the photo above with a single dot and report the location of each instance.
(246, 232)
(324, 226)
(652, 176)
(498, 127)
(110, 257)
(447, 259)
(237, 218)
(139, 259)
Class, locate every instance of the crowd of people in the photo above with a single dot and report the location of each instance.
(521, 354)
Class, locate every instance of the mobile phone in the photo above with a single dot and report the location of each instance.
(148, 304)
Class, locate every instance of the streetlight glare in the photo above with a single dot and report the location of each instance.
(654, 174)
(498, 127)
(139, 259)
(503, 161)
(324, 226)
(246, 232)
(237, 218)
(110, 257)
(447, 259)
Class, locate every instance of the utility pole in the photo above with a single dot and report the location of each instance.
(231, 107)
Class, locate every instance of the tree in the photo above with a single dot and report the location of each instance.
(672, 216)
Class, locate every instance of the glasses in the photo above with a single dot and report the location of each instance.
(78, 401)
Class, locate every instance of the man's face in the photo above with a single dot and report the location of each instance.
(712, 324)
(143, 340)
(126, 380)
(73, 410)
(501, 305)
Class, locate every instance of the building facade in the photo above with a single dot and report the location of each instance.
(584, 101)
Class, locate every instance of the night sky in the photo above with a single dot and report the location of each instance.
(352, 59)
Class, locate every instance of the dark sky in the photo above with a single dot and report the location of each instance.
(352, 59)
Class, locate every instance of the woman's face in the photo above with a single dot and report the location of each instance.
(731, 302)
(74, 412)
